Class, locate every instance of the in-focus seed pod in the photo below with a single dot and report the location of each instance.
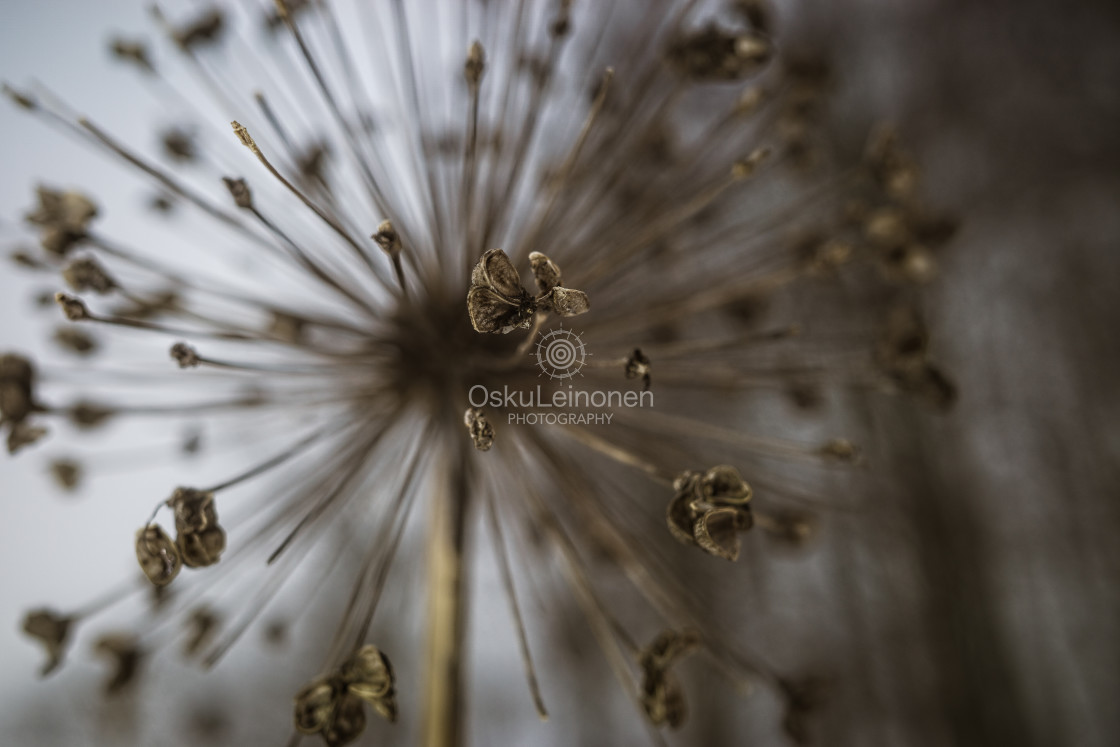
(157, 554)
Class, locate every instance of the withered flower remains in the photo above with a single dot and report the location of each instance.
(361, 344)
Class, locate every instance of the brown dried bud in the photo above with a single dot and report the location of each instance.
(185, 355)
(388, 239)
(710, 509)
(566, 302)
(133, 52)
(332, 706)
(64, 218)
(52, 630)
(203, 30)
(24, 434)
(74, 308)
(713, 54)
(637, 366)
(203, 627)
(314, 706)
(75, 340)
(199, 537)
(179, 145)
(482, 433)
(240, 192)
(661, 694)
(87, 415)
(475, 65)
(17, 388)
(545, 271)
(496, 300)
(124, 653)
(67, 473)
(87, 274)
(157, 554)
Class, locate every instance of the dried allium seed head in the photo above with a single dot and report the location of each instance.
(74, 308)
(661, 694)
(124, 655)
(482, 433)
(185, 355)
(157, 555)
(710, 509)
(87, 274)
(199, 537)
(53, 631)
(239, 190)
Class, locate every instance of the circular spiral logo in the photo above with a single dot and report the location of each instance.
(560, 353)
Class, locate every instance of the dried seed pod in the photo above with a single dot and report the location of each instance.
(17, 388)
(710, 509)
(24, 434)
(87, 274)
(637, 366)
(89, 415)
(53, 631)
(179, 145)
(566, 302)
(67, 473)
(75, 340)
(74, 308)
(124, 655)
(482, 433)
(157, 554)
(185, 355)
(545, 271)
(388, 239)
(713, 54)
(369, 676)
(64, 218)
(475, 66)
(496, 300)
(204, 30)
(239, 190)
(661, 694)
(199, 537)
(133, 52)
(203, 627)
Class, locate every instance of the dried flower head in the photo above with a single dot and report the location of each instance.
(368, 302)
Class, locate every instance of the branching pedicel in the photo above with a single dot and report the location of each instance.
(664, 154)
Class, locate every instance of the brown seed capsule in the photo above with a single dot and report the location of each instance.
(185, 355)
(566, 302)
(388, 239)
(199, 537)
(74, 308)
(239, 190)
(204, 30)
(133, 52)
(496, 300)
(125, 656)
(75, 340)
(24, 434)
(157, 554)
(545, 271)
(88, 415)
(17, 388)
(369, 676)
(179, 145)
(712, 54)
(87, 274)
(661, 694)
(67, 473)
(475, 65)
(637, 366)
(64, 218)
(482, 433)
(314, 706)
(52, 630)
(203, 627)
(710, 509)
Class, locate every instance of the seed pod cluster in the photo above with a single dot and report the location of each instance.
(331, 706)
(710, 509)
